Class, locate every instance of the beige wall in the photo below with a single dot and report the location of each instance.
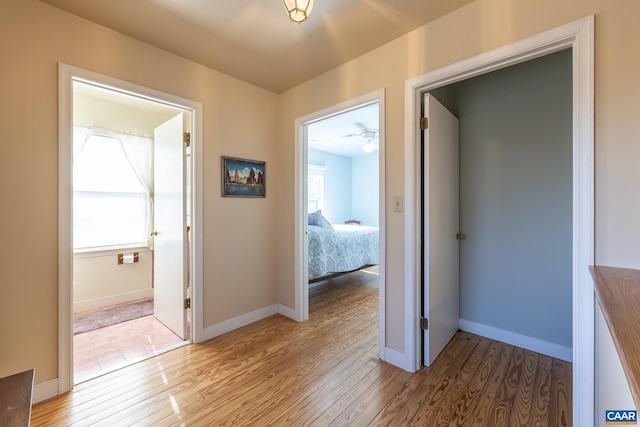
(469, 31)
(34, 38)
(99, 281)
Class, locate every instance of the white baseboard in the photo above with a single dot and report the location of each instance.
(112, 300)
(396, 358)
(45, 390)
(237, 322)
(523, 341)
(287, 312)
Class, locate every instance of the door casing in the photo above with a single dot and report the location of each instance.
(300, 311)
(67, 74)
(579, 36)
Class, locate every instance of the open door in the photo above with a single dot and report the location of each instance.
(441, 285)
(170, 228)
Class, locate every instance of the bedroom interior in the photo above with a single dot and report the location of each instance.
(342, 192)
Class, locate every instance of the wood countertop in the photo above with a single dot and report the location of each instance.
(618, 292)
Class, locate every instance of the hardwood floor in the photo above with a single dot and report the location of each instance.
(322, 372)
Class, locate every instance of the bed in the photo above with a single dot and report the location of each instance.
(339, 248)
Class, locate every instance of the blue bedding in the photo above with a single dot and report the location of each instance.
(345, 248)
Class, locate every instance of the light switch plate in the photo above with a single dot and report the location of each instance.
(398, 204)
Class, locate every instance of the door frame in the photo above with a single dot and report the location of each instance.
(67, 74)
(301, 271)
(579, 36)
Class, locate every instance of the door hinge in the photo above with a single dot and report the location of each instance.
(187, 303)
(460, 236)
(424, 123)
(187, 138)
(424, 323)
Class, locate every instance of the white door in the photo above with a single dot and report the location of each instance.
(441, 286)
(170, 228)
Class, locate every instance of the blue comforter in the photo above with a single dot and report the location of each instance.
(345, 248)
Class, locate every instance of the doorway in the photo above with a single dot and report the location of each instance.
(579, 37)
(128, 263)
(120, 292)
(361, 136)
(514, 205)
(342, 197)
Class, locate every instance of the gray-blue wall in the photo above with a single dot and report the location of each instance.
(351, 186)
(337, 184)
(366, 189)
(516, 197)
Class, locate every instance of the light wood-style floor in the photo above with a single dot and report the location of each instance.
(322, 372)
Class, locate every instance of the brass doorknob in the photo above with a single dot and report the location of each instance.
(154, 233)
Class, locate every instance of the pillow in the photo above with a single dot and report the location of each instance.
(316, 218)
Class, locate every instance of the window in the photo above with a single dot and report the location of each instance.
(111, 203)
(315, 190)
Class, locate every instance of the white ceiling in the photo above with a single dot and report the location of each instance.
(253, 40)
(346, 133)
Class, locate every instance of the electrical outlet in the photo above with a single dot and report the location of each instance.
(398, 204)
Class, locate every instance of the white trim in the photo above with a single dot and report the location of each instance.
(287, 311)
(92, 253)
(109, 250)
(197, 221)
(112, 300)
(584, 366)
(300, 265)
(579, 36)
(65, 249)
(66, 75)
(45, 390)
(539, 346)
(393, 357)
(382, 221)
(301, 273)
(238, 322)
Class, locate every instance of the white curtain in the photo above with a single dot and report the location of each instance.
(80, 137)
(139, 152)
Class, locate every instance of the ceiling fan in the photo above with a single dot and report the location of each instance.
(370, 137)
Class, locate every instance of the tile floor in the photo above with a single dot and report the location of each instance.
(107, 349)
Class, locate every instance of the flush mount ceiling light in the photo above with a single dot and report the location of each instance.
(298, 10)
(368, 147)
(370, 136)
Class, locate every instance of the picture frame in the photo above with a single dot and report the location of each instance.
(243, 177)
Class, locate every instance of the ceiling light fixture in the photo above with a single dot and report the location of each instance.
(368, 147)
(298, 10)
(370, 136)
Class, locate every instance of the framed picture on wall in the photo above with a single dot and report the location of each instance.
(243, 178)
